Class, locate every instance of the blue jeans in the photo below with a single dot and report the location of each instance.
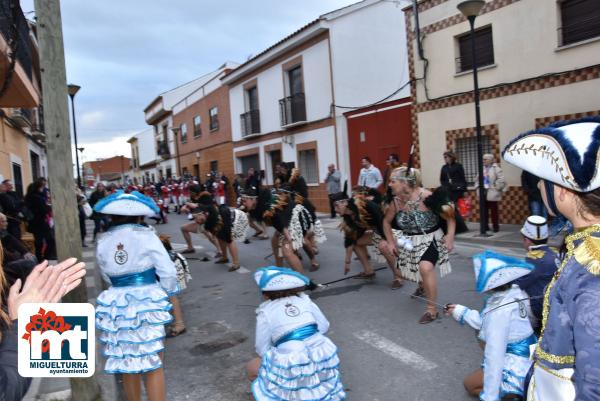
(537, 208)
(559, 224)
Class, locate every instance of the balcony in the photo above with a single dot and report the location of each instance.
(250, 122)
(16, 57)
(22, 117)
(162, 149)
(292, 110)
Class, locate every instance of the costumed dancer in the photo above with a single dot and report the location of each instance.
(567, 357)
(544, 258)
(255, 201)
(296, 361)
(131, 314)
(198, 197)
(228, 225)
(362, 226)
(503, 325)
(418, 213)
(177, 327)
(295, 228)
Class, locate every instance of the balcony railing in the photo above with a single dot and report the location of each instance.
(250, 122)
(22, 117)
(162, 149)
(13, 25)
(292, 109)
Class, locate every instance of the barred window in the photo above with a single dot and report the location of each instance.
(484, 49)
(466, 152)
(307, 162)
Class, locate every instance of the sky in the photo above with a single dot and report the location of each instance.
(125, 53)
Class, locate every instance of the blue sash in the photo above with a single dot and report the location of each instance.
(298, 334)
(135, 279)
(521, 348)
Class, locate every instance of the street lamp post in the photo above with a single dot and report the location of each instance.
(176, 131)
(470, 9)
(73, 89)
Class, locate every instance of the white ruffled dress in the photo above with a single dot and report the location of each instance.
(305, 369)
(131, 318)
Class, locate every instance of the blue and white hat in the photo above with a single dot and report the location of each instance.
(273, 278)
(494, 269)
(564, 153)
(535, 228)
(123, 204)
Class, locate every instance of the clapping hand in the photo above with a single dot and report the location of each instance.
(46, 284)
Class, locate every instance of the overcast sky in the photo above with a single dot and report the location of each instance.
(125, 53)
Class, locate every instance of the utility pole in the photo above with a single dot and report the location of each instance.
(60, 170)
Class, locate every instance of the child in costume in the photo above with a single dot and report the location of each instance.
(177, 327)
(544, 258)
(131, 314)
(503, 326)
(567, 358)
(297, 362)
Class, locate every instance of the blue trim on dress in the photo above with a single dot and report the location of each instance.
(131, 355)
(104, 342)
(134, 327)
(299, 334)
(273, 397)
(113, 304)
(462, 316)
(302, 375)
(302, 364)
(120, 371)
(100, 314)
(138, 279)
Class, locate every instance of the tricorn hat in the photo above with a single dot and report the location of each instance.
(124, 204)
(273, 278)
(493, 270)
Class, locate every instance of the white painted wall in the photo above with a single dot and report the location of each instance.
(513, 115)
(369, 63)
(146, 146)
(270, 83)
(525, 46)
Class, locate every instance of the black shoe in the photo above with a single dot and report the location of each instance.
(246, 241)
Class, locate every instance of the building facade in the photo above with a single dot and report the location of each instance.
(22, 139)
(539, 62)
(203, 125)
(159, 114)
(288, 102)
(115, 169)
(143, 157)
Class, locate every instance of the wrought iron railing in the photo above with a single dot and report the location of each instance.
(15, 29)
(250, 122)
(292, 109)
(162, 149)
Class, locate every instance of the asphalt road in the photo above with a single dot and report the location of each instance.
(385, 354)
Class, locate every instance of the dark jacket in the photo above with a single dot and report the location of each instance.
(12, 386)
(12, 247)
(529, 183)
(39, 208)
(452, 177)
(11, 203)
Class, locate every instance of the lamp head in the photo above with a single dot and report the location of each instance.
(73, 89)
(470, 8)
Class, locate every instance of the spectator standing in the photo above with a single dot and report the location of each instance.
(494, 185)
(40, 223)
(392, 162)
(100, 222)
(529, 182)
(333, 180)
(370, 176)
(452, 177)
(18, 260)
(81, 201)
(252, 179)
(11, 204)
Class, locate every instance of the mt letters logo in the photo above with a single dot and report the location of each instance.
(56, 340)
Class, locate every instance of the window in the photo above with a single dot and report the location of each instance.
(295, 80)
(484, 49)
(466, 152)
(214, 166)
(183, 130)
(580, 20)
(307, 162)
(213, 114)
(251, 118)
(252, 97)
(197, 126)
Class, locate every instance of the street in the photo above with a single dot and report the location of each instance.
(385, 354)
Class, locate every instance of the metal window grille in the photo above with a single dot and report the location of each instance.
(484, 49)
(466, 152)
(307, 162)
(580, 20)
